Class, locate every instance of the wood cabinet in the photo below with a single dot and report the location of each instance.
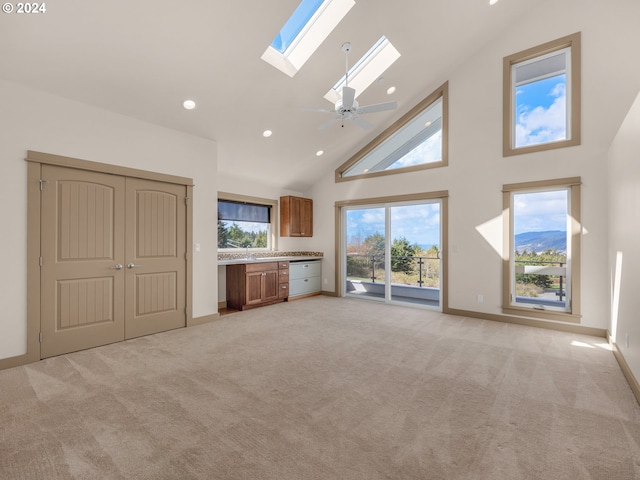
(255, 284)
(296, 217)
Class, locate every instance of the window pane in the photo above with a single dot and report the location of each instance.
(541, 111)
(541, 97)
(295, 24)
(540, 248)
(243, 234)
(365, 251)
(418, 142)
(415, 253)
(243, 225)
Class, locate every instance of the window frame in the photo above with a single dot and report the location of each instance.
(573, 185)
(440, 92)
(273, 226)
(573, 43)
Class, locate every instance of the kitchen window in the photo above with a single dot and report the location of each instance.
(246, 223)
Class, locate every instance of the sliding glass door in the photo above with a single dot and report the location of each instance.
(391, 252)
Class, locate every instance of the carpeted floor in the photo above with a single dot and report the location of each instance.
(325, 388)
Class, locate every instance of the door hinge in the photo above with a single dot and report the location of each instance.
(186, 200)
(40, 262)
(40, 337)
(42, 182)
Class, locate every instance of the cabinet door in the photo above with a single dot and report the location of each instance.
(270, 284)
(306, 217)
(296, 217)
(253, 285)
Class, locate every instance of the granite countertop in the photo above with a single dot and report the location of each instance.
(261, 257)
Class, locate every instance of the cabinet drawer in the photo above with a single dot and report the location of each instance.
(261, 266)
(302, 286)
(283, 276)
(283, 265)
(305, 270)
(283, 290)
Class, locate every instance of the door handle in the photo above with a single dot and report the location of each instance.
(117, 266)
(133, 265)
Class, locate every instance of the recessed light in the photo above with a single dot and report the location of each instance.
(267, 133)
(319, 153)
(189, 104)
(493, 2)
(391, 90)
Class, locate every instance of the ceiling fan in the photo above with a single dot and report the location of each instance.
(347, 108)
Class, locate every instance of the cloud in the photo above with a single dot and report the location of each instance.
(428, 151)
(543, 125)
(540, 211)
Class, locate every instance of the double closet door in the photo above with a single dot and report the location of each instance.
(113, 255)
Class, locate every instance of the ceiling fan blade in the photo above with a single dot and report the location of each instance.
(313, 109)
(329, 123)
(348, 96)
(378, 107)
(361, 123)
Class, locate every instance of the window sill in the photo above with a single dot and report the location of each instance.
(542, 314)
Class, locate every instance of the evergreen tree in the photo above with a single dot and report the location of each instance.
(223, 234)
(402, 254)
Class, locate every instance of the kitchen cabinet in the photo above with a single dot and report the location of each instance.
(256, 284)
(296, 217)
(305, 279)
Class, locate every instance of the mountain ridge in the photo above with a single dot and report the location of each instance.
(541, 241)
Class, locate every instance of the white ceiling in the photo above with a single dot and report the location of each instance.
(143, 58)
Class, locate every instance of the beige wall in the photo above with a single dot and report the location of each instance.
(31, 120)
(624, 237)
(477, 169)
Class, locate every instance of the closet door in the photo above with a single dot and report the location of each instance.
(155, 257)
(82, 251)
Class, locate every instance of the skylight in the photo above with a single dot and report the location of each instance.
(309, 25)
(295, 24)
(366, 70)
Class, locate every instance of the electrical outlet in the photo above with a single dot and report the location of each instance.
(480, 298)
(325, 281)
(197, 247)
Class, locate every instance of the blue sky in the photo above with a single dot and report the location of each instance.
(541, 111)
(294, 25)
(540, 211)
(419, 224)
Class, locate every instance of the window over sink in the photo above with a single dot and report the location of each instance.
(246, 223)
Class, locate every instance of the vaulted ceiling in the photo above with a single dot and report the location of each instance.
(143, 58)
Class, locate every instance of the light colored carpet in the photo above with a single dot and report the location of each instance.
(325, 388)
